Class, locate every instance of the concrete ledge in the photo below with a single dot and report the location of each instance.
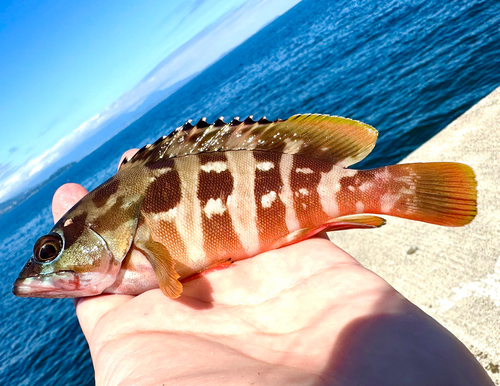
(453, 274)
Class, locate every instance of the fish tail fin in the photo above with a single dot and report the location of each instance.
(442, 193)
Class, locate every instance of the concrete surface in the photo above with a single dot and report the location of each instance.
(453, 274)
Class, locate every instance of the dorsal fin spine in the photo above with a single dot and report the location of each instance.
(235, 121)
(188, 125)
(219, 122)
(202, 123)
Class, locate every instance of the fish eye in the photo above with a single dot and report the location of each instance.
(47, 248)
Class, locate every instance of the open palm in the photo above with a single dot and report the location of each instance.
(306, 314)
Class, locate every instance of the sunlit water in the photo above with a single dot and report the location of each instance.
(407, 68)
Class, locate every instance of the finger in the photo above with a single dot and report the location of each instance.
(91, 310)
(65, 197)
(126, 156)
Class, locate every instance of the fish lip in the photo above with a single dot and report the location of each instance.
(44, 285)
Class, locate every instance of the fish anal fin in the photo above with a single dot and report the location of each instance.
(357, 221)
(212, 268)
(336, 224)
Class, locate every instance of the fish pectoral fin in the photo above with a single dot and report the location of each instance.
(336, 224)
(164, 267)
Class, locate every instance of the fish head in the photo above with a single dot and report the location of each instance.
(70, 261)
(83, 253)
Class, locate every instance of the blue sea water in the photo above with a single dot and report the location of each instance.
(406, 67)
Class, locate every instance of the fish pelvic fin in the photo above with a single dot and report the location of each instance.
(442, 193)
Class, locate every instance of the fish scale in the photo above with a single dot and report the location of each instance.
(212, 193)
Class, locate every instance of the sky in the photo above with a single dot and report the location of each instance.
(67, 67)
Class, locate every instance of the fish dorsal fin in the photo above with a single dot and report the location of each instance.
(335, 139)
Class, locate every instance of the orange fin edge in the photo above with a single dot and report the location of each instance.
(336, 224)
(212, 268)
(163, 266)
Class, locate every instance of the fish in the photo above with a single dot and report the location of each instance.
(208, 195)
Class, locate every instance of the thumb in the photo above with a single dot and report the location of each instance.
(65, 197)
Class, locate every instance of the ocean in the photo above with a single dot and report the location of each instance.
(408, 68)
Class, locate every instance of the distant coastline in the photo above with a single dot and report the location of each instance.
(8, 205)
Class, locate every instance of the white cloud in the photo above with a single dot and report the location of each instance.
(205, 49)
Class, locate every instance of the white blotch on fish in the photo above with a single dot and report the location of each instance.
(268, 199)
(265, 166)
(214, 207)
(217, 166)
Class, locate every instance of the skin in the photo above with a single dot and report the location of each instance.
(306, 314)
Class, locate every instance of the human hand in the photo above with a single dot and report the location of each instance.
(300, 315)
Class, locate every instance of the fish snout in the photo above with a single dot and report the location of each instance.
(61, 284)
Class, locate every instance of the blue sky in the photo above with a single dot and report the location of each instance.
(67, 66)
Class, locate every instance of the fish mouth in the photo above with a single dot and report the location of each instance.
(62, 284)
